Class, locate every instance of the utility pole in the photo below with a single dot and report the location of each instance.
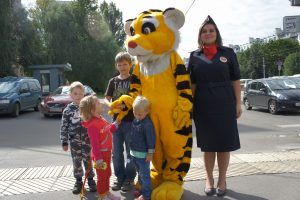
(264, 67)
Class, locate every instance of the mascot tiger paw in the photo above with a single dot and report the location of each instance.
(121, 107)
(168, 190)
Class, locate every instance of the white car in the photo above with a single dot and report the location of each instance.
(244, 83)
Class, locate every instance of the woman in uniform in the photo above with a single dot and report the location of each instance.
(215, 75)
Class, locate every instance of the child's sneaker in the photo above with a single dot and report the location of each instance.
(117, 186)
(92, 185)
(77, 187)
(136, 193)
(127, 185)
(140, 198)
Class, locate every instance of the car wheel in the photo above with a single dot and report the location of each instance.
(272, 107)
(247, 104)
(37, 106)
(46, 115)
(16, 110)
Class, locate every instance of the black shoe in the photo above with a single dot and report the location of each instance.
(209, 191)
(92, 185)
(220, 192)
(127, 186)
(77, 187)
(117, 186)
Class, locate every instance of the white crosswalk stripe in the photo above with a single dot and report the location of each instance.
(60, 178)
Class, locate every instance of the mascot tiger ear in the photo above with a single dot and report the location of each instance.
(175, 16)
(127, 26)
(172, 15)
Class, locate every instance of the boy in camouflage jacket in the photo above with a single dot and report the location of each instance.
(73, 132)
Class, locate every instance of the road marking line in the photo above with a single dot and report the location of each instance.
(289, 126)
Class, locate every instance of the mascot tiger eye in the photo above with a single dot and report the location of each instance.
(160, 75)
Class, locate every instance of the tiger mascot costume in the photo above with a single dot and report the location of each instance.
(161, 76)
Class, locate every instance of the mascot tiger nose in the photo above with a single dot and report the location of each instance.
(161, 76)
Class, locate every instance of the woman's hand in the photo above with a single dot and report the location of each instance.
(238, 111)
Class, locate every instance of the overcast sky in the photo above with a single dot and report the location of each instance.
(237, 19)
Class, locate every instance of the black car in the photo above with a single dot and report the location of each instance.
(274, 94)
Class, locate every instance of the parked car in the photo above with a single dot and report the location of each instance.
(18, 94)
(55, 103)
(274, 94)
(244, 83)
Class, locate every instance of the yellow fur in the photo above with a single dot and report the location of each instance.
(161, 76)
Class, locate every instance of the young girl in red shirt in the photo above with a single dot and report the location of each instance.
(100, 134)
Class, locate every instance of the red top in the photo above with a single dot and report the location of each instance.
(210, 51)
(100, 134)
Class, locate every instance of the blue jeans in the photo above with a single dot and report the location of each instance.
(143, 169)
(124, 171)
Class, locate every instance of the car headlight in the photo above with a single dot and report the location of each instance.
(282, 97)
(4, 101)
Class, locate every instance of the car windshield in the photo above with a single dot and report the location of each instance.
(66, 90)
(62, 90)
(297, 80)
(6, 87)
(283, 84)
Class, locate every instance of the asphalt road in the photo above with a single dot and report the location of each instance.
(32, 140)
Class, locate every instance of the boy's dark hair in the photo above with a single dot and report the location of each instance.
(123, 56)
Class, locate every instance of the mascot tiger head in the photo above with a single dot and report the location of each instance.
(153, 33)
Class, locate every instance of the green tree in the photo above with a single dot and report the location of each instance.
(261, 58)
(114, 18)
(251, 63)
(8, 39)
(30, 48)
(19, 40)
(292, 64)
(76, 33)
(277, 50)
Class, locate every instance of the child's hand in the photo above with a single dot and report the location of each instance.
(149, 157)
(114, 126)
(65, 147)
(100, 164)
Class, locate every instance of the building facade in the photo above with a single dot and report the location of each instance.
(291, 29)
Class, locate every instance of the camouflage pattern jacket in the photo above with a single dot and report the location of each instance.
(71, 126)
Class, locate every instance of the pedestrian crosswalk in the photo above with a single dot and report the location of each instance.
(18, 181)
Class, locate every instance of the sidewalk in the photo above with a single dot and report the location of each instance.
(257, 176)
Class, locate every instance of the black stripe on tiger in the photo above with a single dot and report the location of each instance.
(187, 154)
(180, 70)
(182, 167)
(155, 10)
(183, 85)
(133, 90)
(189, 143)
(180, 178)
(164, 164)
(135, 80)
(187, 96)
(184, 130)
(168, 10)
